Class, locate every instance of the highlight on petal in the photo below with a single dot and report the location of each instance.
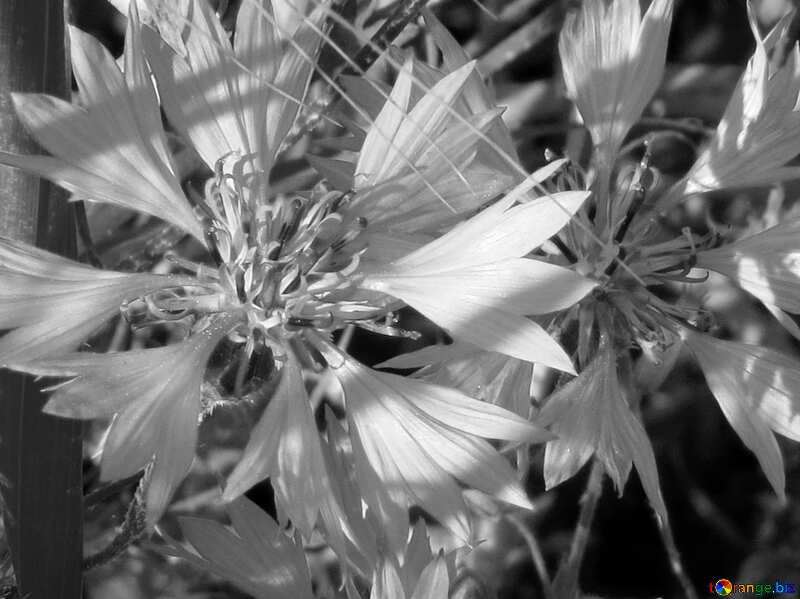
(472, 282)
(758, 390)
(613, 60)
(53, 304)
(155, 396)
(113, 148)
(766, 264)
(254, 555)
(760, 130)
(497, 233)
(417, 440)
(591, 416)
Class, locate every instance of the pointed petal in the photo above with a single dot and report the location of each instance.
(482, 321)
(285, 446)
(386, 583)
(434, 581)
(54, 304)
(197, 92)
(766, 264)
(293, 77)
(259, 559)
(613, 61)
(157, 396)
(757, 389)
(391, 416)
(493, 235)
(590, 415)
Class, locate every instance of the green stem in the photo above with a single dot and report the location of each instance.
(41, 456)
(566, 584)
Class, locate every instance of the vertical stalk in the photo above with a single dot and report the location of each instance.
(39, 455)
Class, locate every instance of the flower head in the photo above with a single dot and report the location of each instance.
(283, 272)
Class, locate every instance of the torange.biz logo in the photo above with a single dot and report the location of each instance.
(724, 587)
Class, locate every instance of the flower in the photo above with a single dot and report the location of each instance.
(282, 273)
(255, 555)
(758, 133)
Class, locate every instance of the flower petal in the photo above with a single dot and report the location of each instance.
(54, 304)
(590, 416)
(392, 416)
(114, 150)
(757, 389)
(156, 394)
(285, 446)
(473, 306)
(257, 558)
(766, 264)
(495, 235)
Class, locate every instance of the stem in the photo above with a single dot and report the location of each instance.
(132, 529)
(565, 584)
(675, 562)
(536, 554)
(41, 455)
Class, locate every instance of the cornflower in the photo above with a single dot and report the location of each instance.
(613, 59)
(282, 273)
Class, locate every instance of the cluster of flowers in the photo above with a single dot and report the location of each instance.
(404, 214)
